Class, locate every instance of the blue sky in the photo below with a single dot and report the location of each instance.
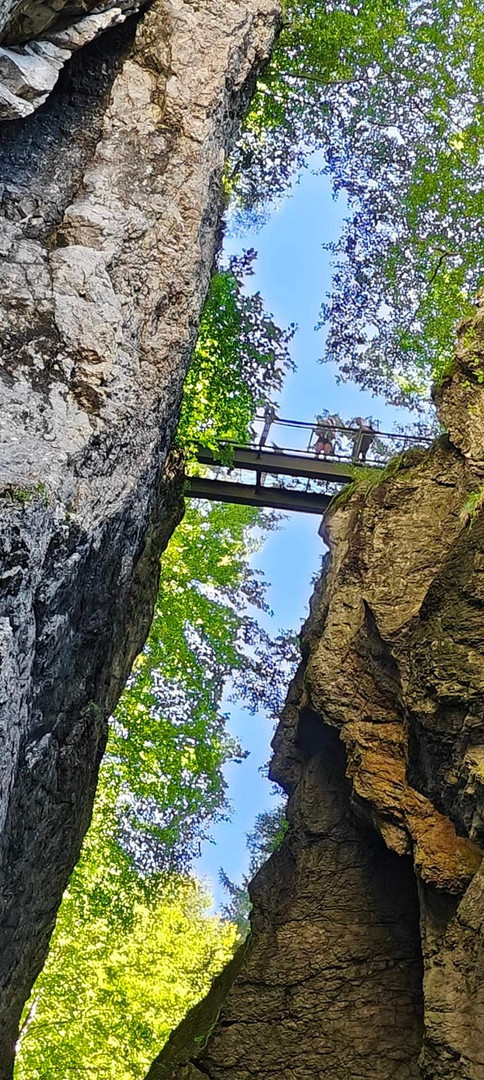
(293, 274)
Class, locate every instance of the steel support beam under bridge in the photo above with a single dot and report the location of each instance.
(273, 498)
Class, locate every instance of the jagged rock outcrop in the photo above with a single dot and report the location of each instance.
(110, 215)
(366, 957)
(29, 71)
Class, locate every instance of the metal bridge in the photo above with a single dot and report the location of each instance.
(320, 476)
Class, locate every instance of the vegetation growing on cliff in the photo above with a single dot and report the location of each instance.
(370, 476)
(392, 93)
(473, 506)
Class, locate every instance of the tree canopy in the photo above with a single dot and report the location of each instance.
(239, 364)
(134, 946)
(391, 93)
(168, 742)
(110, 994)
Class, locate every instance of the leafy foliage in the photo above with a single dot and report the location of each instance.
(134, 948)
(473, 506)
(109, 996)
(391, 92)
(169, 742)
(239, 363)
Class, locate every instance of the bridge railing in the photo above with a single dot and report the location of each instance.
(300, 437)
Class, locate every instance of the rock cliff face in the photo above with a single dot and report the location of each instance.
(38, 39)
(366, 957)
(110, 215)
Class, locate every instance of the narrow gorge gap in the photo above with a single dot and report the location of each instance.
(111, 215)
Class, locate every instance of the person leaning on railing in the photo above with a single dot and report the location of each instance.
(325, 435)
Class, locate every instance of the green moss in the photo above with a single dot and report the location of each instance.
(443, 371)
(24, 495)
(343, 496)
(473, 506)
(469, 337)
(477, 369)
(366, 477)
(21, 495)
(406, 460)
(449, 367)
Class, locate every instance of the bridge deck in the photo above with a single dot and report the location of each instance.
(275, 460)
(288, 463)
(274, 498)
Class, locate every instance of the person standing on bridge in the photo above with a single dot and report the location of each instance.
(269, 417)
(362, 439)
(325, 435)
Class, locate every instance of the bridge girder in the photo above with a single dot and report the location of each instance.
(274, 498)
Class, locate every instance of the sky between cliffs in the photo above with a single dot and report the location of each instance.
(293, 273)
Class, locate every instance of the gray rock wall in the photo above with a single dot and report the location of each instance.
(110, 215)
(29, 71)
(366, 958)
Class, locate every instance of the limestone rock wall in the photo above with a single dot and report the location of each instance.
(366, 957)
(29, 70)
(110, 211)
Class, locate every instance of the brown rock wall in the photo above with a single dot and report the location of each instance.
(330, 984)
(374, 654)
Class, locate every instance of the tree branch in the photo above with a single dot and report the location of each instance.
(445, 255)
